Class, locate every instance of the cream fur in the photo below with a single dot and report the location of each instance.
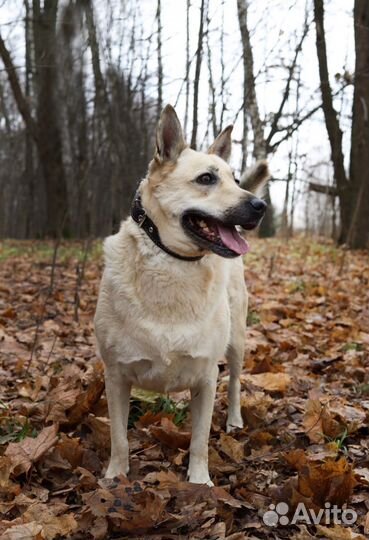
(164, 324)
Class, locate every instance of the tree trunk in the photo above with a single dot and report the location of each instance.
(196, 84)
(331, 122)
(160, 60)
(267, 227)
(211, 85)
(45, 131)
(29, 172)
(358, 234)
(188, 65)
(50, 147)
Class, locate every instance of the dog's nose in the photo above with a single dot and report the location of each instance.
(258, 204)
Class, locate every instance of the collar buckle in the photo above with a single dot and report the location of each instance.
(142, 219)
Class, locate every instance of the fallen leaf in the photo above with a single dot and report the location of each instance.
(254, 408)
(338, 532)
(53, 525)
(26, 531)
(169, 434)
(29, 451)
(232, 448)
(273, 382)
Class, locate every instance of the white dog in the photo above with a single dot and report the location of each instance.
(173, 300)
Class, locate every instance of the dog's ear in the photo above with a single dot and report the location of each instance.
(169, 136)
(222, 146)
(256, 178)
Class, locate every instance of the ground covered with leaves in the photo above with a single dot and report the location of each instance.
(305, 403)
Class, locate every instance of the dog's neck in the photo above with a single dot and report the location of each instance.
(139, 215)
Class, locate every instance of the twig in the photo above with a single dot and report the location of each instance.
(271, 266)
(50, 353)
(342, 263)
(41, 318)
(80, 276)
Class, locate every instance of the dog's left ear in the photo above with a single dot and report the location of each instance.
(169, 136)
(256, 178)
(222, 146)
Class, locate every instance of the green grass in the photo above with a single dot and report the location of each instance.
(352, 346)
(252, 318)
(43, 251)
(362, 389)
(340, 442)
(143, 401)
(14, 431)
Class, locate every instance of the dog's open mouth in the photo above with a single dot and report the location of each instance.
(213, 234)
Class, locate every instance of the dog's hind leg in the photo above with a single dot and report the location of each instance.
(235, 356)
(202, 404)
(236, 349)
(117, 392)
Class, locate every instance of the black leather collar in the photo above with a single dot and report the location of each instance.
(139, 215)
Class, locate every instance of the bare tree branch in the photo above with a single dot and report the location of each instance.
(286, 93)
(19, 97)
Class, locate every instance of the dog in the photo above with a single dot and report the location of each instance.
(172, 299)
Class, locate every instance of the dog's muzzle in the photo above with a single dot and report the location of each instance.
(248, 214)
(220, 235)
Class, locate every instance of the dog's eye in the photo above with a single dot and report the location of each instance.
(206, 179)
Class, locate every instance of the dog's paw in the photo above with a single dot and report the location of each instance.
(198, 479)
(234, 422)
(115, 469)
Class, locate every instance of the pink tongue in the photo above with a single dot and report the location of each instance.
(232, 239)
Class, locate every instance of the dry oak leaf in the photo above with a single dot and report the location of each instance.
(254, 408)
(165, 479)
(296, 458)
(319, 422)
(337, 532)
(232, 448)
(363, 475)
(331, 481)
(52, 525)
(59, 400)
(169, 434)
(86, 400)
(127, 507)
(27, 452)
(273, 382)
(25, 531)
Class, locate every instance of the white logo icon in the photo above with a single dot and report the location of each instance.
(277, 515)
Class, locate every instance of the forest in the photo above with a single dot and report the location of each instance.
(82, 87)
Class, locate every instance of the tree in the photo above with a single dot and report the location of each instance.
(263, 143)
(353, 190)
(251, 110)
(358, 234)
(44, 129)
(196, 83)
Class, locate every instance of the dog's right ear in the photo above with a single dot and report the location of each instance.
(169, 136)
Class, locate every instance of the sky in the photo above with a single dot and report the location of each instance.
(275, 25)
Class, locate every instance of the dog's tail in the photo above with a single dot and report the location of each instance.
(255, 179)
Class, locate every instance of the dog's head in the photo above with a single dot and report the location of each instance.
(193, 197)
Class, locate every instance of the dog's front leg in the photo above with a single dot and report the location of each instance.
(118, 390)
(202, 403)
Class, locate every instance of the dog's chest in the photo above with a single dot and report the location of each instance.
(174, 373)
